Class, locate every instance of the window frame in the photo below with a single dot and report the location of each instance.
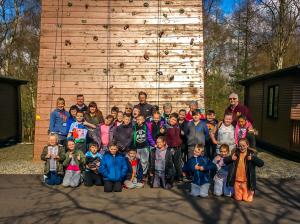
(272, 103)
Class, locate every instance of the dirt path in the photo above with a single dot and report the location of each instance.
(24, 199)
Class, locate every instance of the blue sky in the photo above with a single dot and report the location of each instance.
(227, 5)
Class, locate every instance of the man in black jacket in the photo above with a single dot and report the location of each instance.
(145, 108)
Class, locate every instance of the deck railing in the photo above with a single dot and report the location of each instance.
(295, 138)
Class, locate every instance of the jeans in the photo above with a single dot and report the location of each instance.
(53, 178)
(220, 187)
(201, 190)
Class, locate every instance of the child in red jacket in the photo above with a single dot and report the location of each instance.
(172, 133)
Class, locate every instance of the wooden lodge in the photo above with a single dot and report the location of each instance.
(11, 117)
(274, 99)
(109, 50)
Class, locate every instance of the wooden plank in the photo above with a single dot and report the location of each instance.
(51, 11)
(130, 14)
(128, 46)
(116, 40)
(119, 33)
(122, 52)
(120, 27)
(96, 72)
(122, 3)
(184, 20)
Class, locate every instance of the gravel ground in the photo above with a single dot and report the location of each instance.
(17, 159)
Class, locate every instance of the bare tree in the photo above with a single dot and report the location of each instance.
(280, 19)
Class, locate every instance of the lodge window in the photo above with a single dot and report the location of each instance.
(273, 96)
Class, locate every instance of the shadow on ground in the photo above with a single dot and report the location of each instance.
(24, 199)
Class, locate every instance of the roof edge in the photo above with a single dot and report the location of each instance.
(269, 74)
(13, 80)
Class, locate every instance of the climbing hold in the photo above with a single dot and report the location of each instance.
(135, 41)
(111, 86)
(145, 21)
(102, 51)
(192, 41)
(161, 33)
(159, 72)
(95, 38)
(126, 27)
(119, 44)
(105, 26)
(59, 25)
(146, 4)
(86, 6)
(166, 52)
(130, 1)
(171, 78)
(105, 71)
(165, 15)
(146, 56)
(168, 3)
(69, 64)
(67, 42)
(134, 13)
(181, 11)
(70, 4)
(54, 57)
(83, 21)
(122, 65)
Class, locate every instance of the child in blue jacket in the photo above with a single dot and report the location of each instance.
(58, 121)
(113, 167)
(200, 166)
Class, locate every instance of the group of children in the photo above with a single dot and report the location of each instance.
(127, 150)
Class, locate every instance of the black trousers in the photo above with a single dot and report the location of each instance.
(177, 160)
(112, 186)
(210, 150)
(91, 178)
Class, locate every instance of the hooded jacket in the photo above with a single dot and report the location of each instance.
(123, 136)
(250, 169)
(199, 177)
(58, 122)
(113, 167)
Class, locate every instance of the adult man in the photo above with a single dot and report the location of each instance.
(237, 109)
(80, 103)
(145, 108)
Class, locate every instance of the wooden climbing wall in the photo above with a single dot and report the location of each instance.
(110, 50)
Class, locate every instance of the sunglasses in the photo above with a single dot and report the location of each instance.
(232, 98)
